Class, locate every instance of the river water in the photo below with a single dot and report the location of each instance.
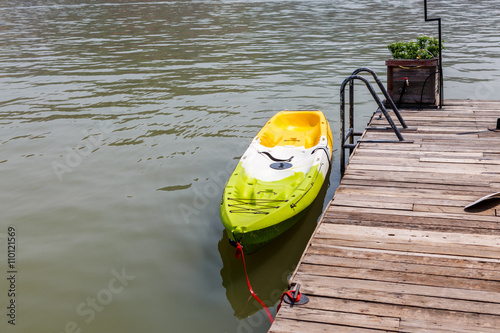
(120, 122)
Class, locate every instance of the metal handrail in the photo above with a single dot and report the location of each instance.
(349, 136)
(384, 91)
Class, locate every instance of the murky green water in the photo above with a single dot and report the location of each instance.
(120, 122)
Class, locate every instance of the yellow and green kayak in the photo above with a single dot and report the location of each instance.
(277, 178)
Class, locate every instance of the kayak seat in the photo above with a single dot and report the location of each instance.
(292, 129)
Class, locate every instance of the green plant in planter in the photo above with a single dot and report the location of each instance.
(424, 47)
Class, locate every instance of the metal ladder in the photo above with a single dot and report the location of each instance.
(347, 139)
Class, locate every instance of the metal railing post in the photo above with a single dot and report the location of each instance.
(342, 133)
(440, 64)
(351, 133)
(351, 112)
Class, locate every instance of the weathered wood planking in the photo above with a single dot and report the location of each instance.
(395, 251)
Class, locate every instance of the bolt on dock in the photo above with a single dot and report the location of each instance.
(395, 250)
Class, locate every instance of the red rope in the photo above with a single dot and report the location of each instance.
(239, 254)
(290, 294)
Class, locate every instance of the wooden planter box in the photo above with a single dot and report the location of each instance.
(418, 72)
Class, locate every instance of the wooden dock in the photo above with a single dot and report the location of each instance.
(395, 251)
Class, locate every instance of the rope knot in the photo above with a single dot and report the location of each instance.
(294, 295)
(239, 251)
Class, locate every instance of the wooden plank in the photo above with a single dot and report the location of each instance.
(405, 202)
(437, 325)
(464, 161)
(432, 169)
(337, 231)
(400, 159)
(472, 180)
(403, 215)
(417, 154)
(357, 320)
(414, 222)
(349, 201)
(400, 294)
(293, 326)
(380, 274)
(422, 241)
(455, 188)
(451, 265)
(411, 192)
(409, 315)
(326, 265)
(448, 209)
